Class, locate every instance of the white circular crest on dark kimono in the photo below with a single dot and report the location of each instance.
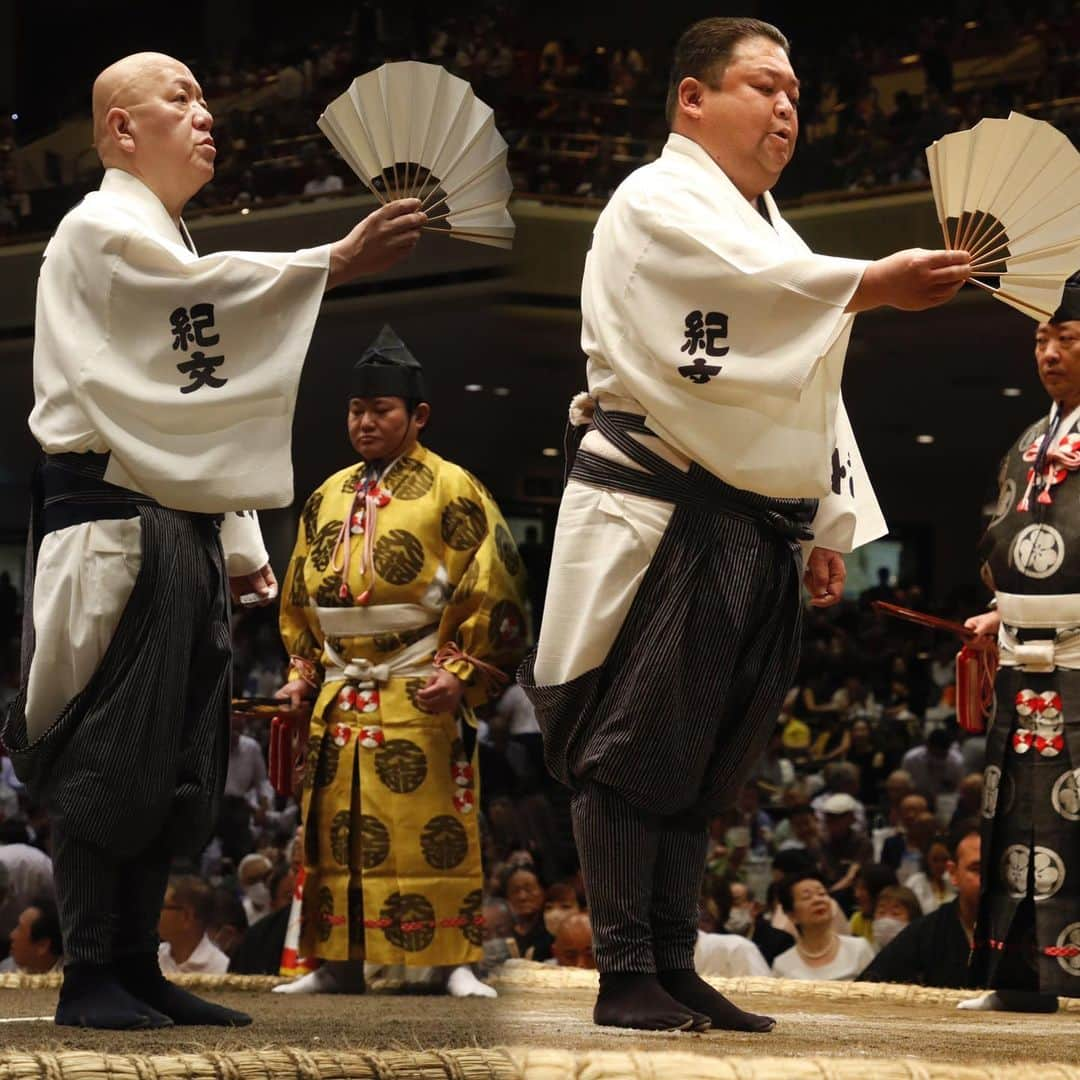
(991, 790)
(1038, 551)
(1014, 870)
(1069, 938)
(1049, 873)
(1006, 501)
(1065, 795)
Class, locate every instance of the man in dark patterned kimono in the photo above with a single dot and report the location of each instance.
(1027, 935)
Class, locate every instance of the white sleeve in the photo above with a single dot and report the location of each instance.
(780, 316)
(848, 515)
(192, 383)
(242, 542)
(746, 960)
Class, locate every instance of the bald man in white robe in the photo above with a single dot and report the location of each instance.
(165, 385)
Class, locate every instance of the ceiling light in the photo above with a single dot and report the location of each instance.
(971, 24)
(550, 451)
(245, 211)
(501, 391)
(473, 388)
(911, 58)
(14, 116)
(925, 440)
(1011, 391)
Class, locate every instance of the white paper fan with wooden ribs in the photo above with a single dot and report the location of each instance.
(412, 130)
(1008, 192)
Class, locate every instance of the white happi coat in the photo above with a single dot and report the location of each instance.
(677, 252)
(106, 380)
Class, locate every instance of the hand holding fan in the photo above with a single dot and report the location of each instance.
(412, 130)
(1006, 192)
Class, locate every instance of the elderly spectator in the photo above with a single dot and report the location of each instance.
(910, 808)
(185, 916)
(745, 917)
(819, 952)
(37, 947)
(936, 767)
(916, 843)
(933, 950)
(28, 873)
(252, 875)
(572, 946)
(969, 797)
(896, 908)
(525, 895)
(842, 778)
(869, 882)
(845, 849)
(260, 951)
(931, 884)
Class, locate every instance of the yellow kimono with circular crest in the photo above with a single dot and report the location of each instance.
(391, 843)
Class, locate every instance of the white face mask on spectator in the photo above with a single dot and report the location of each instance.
(740, 921)
(258, 894)
(885, 929)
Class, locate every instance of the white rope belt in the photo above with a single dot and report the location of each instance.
(1060, 613)
(413, 662)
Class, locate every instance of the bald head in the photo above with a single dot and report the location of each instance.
(150, 120)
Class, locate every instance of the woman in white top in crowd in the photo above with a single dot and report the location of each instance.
(819, 951)
(931, 885)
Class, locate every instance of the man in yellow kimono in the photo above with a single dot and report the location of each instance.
(403, 599)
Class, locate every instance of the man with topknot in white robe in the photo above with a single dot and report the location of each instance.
(165, 385)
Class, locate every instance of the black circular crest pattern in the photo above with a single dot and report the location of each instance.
(298, 594)
(412, 688)
(464, 524)
(311, 517)
(374, 841)
(399, 557)
(326, 913)
(356, 916)
(386, 642)
(311, 761)
(409, 479)
(322, 547)
(467, 585)
(401, 766)
(339, 837)
(328, 594)
(413, 921)
(444, 842)
(507, 627)
(472, 911)
(507, 549)
(327, 766)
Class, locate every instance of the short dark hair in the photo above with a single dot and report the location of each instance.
(193, 893)
(902, 895)
(786, 890)
(704, 50)
(47, 924)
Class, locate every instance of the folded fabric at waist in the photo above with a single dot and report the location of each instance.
(1039, 633)
(378, 619)
(412, 662)
(1054, 611)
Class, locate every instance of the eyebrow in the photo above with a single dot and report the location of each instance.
(188, 84)
(776, 73)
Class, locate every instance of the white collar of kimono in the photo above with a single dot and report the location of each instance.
(142, 203)
(686, 151)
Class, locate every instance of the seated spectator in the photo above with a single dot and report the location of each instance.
(498, 933)
(868, 757)
(933, 950)
(228, 921)
(746, 918)
(897, 907)
(842, 778)
(726, 955)
(572, 946)
(896, 846)
(919, 836)
(935, 767)
(36, 944)
(28, 874)
(931, 884)
(819, 952)
(260, 951)
(968, 805)
(560, 902)
(898, 786)
(324, 182)
(525, 895)
(774, 771)
(869, 881)
(252, 875)
(786, 864)
(805, 832)
(185, 916)
(845, 849)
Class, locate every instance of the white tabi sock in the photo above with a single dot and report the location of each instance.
(320, 981)
(984, 1003)
(463, 983)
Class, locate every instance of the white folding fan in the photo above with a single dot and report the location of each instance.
(1006, 191)
(412, 130)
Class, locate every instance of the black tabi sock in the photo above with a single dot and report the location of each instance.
(1029, 1001)
(92, 997)
(689, 989)
(142, 977)
(633, 1000)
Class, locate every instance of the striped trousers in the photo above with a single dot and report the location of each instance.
(132, 770)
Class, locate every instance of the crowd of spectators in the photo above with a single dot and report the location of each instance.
(852, 850)
(578, 118)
